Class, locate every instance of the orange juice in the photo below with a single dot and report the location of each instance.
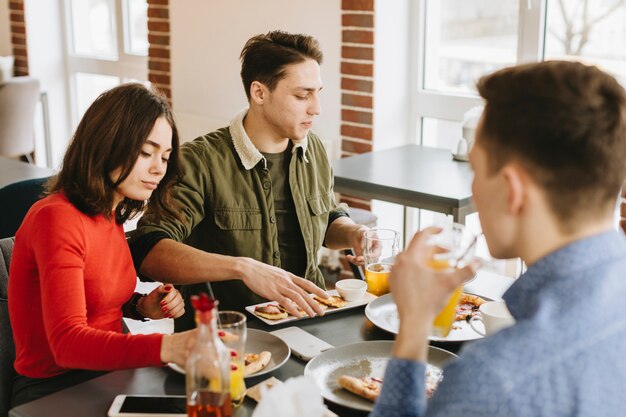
(445, 318)
(237, 384)
(377, 278)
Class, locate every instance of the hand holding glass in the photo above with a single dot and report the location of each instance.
(381, 246)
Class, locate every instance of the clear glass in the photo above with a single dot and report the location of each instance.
(453, 247)
(89, 87)
(466, 39)
(136, 27)
(93, 28)
(381, 247)
(208, 371)
(233, 333)
(591, 31)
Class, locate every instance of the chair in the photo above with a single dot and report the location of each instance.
(18, 98)
(21, 196)
(7, 347)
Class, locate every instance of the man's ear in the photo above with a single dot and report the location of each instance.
(516, 192)
(258, 92)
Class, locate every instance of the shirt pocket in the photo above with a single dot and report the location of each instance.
(238, 219)
(321, 203)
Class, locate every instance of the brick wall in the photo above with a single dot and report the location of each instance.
(357, 82)
(18, 37)
(159, 65)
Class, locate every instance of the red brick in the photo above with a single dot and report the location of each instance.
(357, 101)
(357, 116)
(17, 17)
(355, 147)
(158, 52)
(16, 5)
(364, 70)
(356, 52)
(21, 62)
(158, 12)
(352, 84)
(158, 39)
(20, 51)
(159, 79)
(158, 26)
(18, 40)
(20, 71)
(359, 20)
(356, 132)
(162, 2)
(159, 65)
(18, 28)
(358, 36)
(364, 5)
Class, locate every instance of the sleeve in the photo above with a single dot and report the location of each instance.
(59, 248)
(191, 193)
(403, 393)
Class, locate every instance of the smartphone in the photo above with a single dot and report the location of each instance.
(148, 405)
(303, 344)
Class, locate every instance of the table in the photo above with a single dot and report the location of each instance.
(12, 171)
(94, 397)
(410, 175)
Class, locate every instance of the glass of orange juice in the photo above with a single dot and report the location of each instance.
(453, 247)
(381, 246)
(232, 330)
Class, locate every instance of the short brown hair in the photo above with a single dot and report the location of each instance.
(566, 122)
(264, 57)
(111, 135)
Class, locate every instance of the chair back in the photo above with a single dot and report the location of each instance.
(18, 99)
(22, 195)
(7, 346)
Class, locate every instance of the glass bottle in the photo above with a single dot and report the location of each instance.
(208, 366)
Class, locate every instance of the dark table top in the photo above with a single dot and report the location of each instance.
(94, 397)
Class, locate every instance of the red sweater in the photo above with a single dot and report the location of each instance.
(70, 275)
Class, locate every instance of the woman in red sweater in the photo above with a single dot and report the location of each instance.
(72, 277)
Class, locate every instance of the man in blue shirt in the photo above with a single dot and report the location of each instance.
(549, 161)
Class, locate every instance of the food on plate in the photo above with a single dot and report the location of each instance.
(332, 301)
(255, 391)
(468, 306)
(370, 387)
(254, 362)
(271, 312)
(366, 387)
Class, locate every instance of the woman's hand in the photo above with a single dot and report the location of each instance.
(164, 302)
(176, 347)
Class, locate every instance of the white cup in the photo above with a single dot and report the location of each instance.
(495, 316)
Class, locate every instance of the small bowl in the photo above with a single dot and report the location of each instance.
(351, 289)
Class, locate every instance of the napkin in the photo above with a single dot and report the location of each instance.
(298, 396)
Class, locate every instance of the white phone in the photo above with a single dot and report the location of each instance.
(303, 344)
(148, 406)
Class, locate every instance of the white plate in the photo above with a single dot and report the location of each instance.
(359, 360)
(384, 314)
(349, 304)
(258, 341)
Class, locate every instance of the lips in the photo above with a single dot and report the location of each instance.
(307, 124)
(150, 185)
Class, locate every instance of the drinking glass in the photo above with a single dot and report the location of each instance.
(453, 247)
(232, 330)
(381, 247)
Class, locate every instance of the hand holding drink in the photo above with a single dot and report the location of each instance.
(381, 246)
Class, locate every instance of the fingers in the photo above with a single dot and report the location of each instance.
(357, 260)
(172, 304)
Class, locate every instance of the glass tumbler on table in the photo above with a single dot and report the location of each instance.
(453, 248)
(381, 247)
(233, 333)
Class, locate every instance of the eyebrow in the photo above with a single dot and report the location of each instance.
(156, 145)
(310, 88)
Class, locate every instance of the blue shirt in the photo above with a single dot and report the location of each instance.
(565, 356)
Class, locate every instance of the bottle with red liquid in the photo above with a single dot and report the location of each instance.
(208, 366)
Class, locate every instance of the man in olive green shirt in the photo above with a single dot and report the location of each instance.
(256, 198)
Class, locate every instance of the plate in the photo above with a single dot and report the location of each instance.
(359, 360)
(367, 298)
(384, 314)
(258, 341)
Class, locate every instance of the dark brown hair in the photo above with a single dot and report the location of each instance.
(264, 57)
(566, 122)
(111, 135)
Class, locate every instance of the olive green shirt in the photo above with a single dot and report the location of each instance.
(228, 207)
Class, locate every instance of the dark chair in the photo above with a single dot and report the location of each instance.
(16, 200)
(7, 347)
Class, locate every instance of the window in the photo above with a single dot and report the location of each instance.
(107, 43)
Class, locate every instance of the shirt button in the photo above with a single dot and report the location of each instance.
(266, 185)
(277, 254)
(272, 219)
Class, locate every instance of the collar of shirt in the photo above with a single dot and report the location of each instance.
(247, 152)
(560, 267)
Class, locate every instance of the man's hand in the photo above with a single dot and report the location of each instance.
(420, 292)
(279, 285)
(357, 243)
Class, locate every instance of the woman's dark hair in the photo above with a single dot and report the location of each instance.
(111, 135)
